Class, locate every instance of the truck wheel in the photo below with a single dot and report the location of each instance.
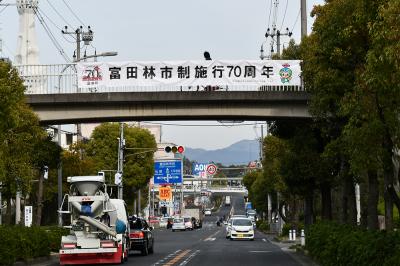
(145, 249)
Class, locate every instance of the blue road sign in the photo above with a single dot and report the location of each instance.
(197, 168)
(168, 172)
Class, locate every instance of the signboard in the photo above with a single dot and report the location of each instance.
(189, 73)
(28, 216)
(166, 204)
(211, 169)
(165, 193)
(168, 172)
(199, 168)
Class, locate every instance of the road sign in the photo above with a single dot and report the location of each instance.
(28, 216)
(211, 169)
(165, 193)
(168, 172)
(199, 168)
(165, 204)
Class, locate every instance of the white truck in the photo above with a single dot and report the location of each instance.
(99, 228)
(227, 200)
(196, 213)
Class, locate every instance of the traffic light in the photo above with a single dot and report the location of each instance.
(174, 149)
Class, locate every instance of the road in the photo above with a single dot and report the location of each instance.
(208, 246)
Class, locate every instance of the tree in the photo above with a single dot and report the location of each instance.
(19, 128)
(334, 55)
(47, 154)
(138, 162)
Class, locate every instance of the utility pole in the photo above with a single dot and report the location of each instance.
(87, 38)
(120, 169)
(277, 33)
(303, 8)
(59, 177)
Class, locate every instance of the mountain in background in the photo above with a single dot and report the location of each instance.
(241, 152)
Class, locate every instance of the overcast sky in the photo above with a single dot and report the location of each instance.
(165, 30)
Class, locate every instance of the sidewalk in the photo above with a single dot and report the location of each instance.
(289, 248)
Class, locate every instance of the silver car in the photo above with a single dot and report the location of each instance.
(178, 224)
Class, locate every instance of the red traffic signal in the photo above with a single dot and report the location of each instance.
(174, 149)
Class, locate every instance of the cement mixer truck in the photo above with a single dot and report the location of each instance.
(99, 229)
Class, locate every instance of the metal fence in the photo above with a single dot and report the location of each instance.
(63, 78)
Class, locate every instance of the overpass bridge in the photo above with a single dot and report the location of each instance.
(54, 93)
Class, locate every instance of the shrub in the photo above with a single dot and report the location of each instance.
(334, 244)
(24, 243)
(262, 225)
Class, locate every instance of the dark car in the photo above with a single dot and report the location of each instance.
(141, 236)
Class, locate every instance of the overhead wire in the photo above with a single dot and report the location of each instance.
(50, 34)
(58, 13)
(284, 15)
(73, 13)
(55, 25)
(270, 8)
(4, 8)
(297, 18)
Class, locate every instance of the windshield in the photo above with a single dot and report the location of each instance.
(178, 220)
(187, 220)
(242, 222)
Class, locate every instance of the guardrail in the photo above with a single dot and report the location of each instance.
(63, 78)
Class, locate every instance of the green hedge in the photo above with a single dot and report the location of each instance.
(262, 225)
(334, 244)
(24, 243)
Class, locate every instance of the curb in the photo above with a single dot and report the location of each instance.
(291, 248)
(52, 259)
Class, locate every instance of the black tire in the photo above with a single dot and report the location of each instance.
(151, 250)
(173, 230)
(145, 249)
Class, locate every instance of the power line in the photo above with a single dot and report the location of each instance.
(270, 8)
(297, 18)
(4, 8)
(54, 24)
(50, 34)
(284, 15)
(73, 13)
(58, 13)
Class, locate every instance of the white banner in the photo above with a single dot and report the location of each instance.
(189, 73)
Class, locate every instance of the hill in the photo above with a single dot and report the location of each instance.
(240, 152)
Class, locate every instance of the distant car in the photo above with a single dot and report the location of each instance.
(240, 228)
(178, 224)
(154, 221)
(141, 236)
(207, 212)
(188, 223)
(164, 222)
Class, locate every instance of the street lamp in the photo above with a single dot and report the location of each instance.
(59, 170)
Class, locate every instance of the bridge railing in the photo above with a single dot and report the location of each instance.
(63, 78)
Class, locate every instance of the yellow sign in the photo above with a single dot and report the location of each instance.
(165, 193)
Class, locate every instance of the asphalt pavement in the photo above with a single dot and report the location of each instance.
(208, 246)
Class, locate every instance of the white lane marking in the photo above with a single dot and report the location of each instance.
(210, 239)
(189, 258)
(211, 236)
(260, 251)
(264, 240)
(161, 261)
